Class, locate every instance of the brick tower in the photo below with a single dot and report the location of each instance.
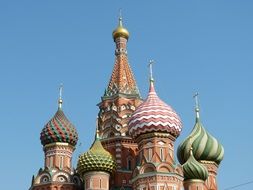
(155, 125)
(58, 138)
(120, 99)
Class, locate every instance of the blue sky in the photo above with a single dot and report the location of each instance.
(203, 46)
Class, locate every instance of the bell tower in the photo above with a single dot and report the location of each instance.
(120, 99)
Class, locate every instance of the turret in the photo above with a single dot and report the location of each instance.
(95, 166)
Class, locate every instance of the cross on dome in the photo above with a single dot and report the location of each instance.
(60, 101)
(151, 62)
(195, 96)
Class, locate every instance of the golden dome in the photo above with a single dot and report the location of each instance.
(120, 31)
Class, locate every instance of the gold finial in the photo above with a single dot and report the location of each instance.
(196, 104)
(151, 62)
(60, 101)
(97, 131)
(120, 31)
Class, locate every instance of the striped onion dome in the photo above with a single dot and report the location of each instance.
(96, 159)
(153, 115)
(59, 129)
(193, 169)
(205, 146)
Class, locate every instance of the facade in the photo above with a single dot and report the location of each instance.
(134, 142)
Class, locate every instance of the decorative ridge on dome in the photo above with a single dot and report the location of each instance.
(96, 158)
(193, 169)
(205, 146)
(59, 128)
(120, 31)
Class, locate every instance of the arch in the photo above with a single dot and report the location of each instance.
(147, 168)
(61, 177)
(165, 168)
(43, 178)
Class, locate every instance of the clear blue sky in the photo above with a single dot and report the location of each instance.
(203, 46)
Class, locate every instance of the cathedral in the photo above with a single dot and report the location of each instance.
(133, 148)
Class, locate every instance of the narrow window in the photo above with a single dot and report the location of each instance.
(61, 162)
(91, 181)
(51, 161)
(150, 154)
(100, 183)
(129, 164)
(161, 154)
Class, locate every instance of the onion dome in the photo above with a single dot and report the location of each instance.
(120, 31)
(205, 146)
(193, 169)
(96, 159)
(59, 129)
(153, 115)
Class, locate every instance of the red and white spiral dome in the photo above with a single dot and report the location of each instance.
(153, 115)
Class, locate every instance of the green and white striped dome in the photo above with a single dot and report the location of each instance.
(205, 146)
(193, 169)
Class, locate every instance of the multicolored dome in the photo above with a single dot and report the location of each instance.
(193, 169)
(59, 129)
(96, 159)
(120, 31)
(205, 147)
(153, 115)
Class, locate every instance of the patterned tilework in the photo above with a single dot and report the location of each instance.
(59, 129)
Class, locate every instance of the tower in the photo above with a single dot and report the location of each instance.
(120, 99)
(205, 149)
(58, 138)
(155, 125)
(96, 166)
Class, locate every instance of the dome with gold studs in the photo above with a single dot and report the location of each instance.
(120, 31)
(96, 159)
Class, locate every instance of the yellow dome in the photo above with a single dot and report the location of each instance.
(120, 31)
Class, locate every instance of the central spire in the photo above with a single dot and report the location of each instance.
(122, 79)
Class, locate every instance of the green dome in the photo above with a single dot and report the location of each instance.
(205, 146)
(96, 159)
(194, 170)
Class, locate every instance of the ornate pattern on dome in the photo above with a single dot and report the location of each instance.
(153, 115)
(205, 147)
(96, 159)
(194, 170)
(59, 129)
